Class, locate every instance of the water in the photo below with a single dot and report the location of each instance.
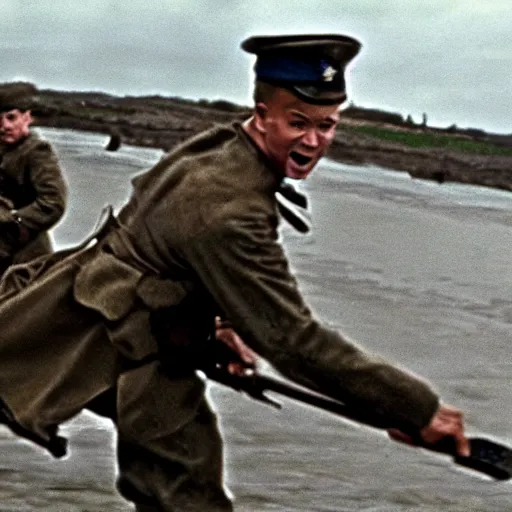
(415, 271)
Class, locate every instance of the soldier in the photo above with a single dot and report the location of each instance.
(32, 188)
(133, 312)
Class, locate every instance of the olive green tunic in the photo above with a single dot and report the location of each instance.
(202, 222)
(31, 182)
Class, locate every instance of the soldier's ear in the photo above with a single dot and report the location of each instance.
(260, 115)
(27, 115)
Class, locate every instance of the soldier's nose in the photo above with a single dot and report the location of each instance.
(310, 139)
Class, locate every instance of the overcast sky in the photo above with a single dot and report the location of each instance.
(451, 59)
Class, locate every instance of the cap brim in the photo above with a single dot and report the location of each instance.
(311, 94)
(260, 44)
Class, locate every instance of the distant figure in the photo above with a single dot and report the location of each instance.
(439, 176)
(32, 189)
(114, 143)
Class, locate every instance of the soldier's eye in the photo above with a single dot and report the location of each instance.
(297, 124)
(325, 127)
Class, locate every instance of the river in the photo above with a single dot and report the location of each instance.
(413, 270)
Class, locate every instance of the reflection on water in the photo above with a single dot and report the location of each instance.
(413, 270)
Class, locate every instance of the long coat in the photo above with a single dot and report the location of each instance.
(201, 223)
(31, 181)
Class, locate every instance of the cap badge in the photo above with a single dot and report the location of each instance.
(328, 74)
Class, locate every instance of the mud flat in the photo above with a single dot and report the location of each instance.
(416, 272)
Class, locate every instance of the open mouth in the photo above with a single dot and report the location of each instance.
(300, 159)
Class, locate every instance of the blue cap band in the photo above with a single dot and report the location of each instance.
(285, 69)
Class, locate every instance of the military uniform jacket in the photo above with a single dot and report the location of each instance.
(31, 180)
(202, 221)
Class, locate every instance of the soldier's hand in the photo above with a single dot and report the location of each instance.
(448, 421)
(244, 357)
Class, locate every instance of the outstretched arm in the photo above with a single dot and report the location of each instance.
(246, 272)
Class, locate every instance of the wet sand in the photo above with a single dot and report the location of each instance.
(417, 272)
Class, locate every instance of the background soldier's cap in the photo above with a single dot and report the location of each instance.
(17, 95)
(311, 66)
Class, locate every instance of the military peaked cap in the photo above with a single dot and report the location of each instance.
(311, 66)
(17, 95)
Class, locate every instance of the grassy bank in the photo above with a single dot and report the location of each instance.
(424, 140)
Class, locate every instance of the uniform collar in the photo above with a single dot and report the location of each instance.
(292, 204)
(261, 155)
(5, 148)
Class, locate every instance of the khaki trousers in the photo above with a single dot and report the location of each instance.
(169, 448)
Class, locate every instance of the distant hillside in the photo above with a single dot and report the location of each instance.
(364, 136)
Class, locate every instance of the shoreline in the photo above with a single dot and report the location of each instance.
(162, 123)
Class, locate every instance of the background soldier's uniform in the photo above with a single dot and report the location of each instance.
(32, 199)
(200, 233)
(33, 192)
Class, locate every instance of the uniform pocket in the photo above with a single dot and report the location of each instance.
(158, 293)
(107, 285)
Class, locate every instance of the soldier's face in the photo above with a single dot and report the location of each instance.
(14, 125)
(295, 134)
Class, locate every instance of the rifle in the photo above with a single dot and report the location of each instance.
(487, 457)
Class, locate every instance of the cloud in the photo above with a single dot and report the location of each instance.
(450, 58)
